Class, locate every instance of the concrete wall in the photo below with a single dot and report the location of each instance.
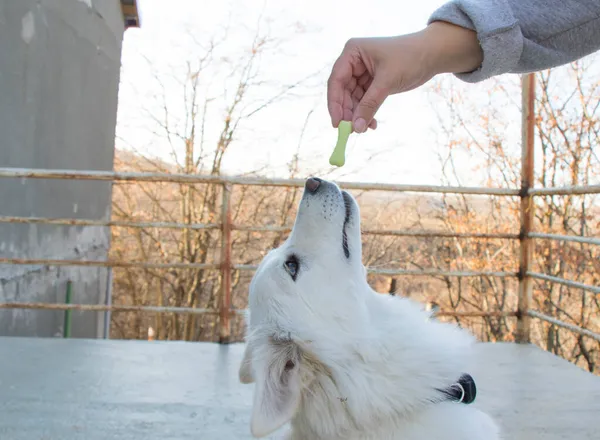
(59, 77)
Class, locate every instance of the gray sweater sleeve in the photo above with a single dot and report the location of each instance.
(519, 36)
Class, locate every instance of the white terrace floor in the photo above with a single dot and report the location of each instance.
(56, 389)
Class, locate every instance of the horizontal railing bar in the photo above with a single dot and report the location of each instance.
(115, 223)
(479, 314)
(394, 232)
(200, 179)
(203, 179)
(436, 272)
(558, 322)
(447, 234)
(569, 283)
(199, 311)
(574, 238)
(406, 272)
(111, 308)
(565, 190)
(241, 267)
(266, 228)
(108, 263)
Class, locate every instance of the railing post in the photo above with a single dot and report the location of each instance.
(527, 206)
(225, 297)
(68, 313)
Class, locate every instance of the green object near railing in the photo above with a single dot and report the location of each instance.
(68, 300)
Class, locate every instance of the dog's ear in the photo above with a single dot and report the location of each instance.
(278, 387)
(245, 372)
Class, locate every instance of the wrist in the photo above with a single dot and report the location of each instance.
(451, 49)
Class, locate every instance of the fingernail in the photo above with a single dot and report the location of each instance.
(360, 125)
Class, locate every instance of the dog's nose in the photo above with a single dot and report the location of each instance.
(312, 184)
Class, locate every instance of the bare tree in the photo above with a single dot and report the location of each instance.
(183, 125)
(567, 124)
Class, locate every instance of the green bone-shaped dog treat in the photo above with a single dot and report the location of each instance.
(338, 157)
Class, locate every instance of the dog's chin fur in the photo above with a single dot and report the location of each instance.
(336, 360)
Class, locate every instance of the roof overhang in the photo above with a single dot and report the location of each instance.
(131, 15)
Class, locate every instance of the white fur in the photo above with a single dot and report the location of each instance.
(335, 359)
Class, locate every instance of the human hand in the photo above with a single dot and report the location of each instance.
(371, 69)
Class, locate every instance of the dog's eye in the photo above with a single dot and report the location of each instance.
(291, 265)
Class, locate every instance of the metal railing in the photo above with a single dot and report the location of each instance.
(525, 276)
(226, 226)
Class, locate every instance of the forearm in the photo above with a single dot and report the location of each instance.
(518, 36)
(451, 49)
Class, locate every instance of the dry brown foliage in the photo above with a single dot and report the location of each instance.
(568, 127)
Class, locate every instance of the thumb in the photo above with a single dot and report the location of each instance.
(368, 105)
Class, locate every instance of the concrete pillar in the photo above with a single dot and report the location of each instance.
(59, 77)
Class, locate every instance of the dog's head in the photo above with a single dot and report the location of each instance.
(309, 286)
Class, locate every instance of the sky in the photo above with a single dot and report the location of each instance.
(404, 149)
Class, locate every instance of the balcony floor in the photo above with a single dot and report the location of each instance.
(56, 389)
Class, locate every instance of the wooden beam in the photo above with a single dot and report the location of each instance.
(131, 16)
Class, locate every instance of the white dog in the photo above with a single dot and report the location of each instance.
(339, 361)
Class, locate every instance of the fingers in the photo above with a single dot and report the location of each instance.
(352, 93)
(347, 70)
(364, 113)
(338, 93)
(357, 95)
